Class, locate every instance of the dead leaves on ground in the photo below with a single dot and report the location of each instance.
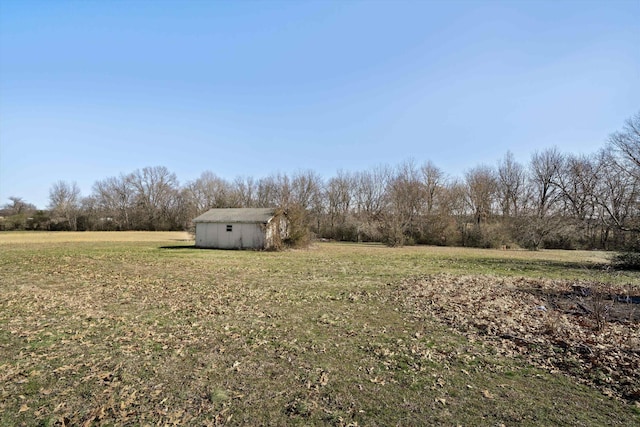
(101, 342)
(541, 321)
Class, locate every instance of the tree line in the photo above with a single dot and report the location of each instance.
(556, 200)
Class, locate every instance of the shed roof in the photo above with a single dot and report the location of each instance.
(230, 215)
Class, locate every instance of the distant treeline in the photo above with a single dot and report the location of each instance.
(557, 200)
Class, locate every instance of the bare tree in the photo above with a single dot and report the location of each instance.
(370, 199)
(338, 196)
(182, 210)
(406, 198)
(210, 191)
(18, 206)
(511, 185)
(305, 206)
(555, 197)
(283, 193)
(155, 192)
(246, 189)
(89, 214)
(299, 197)
(432, 221)
(577, 179)
(268, 193)
(543, 173)
(370, 191)
(64, 202)
(114, 197)
(481, 186)
(16, 215)
(432, 180)
(306, 189)
(627, 143)
(542, 218)
(455, 207)
(617, 194)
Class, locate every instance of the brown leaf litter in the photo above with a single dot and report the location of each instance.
(590, 331)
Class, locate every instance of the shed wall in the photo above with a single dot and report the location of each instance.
(242, 236)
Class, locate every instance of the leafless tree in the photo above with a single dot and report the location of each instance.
(543, 174)
(246, 189)
(511, 186)
(155, 192)
(182, 210)
(18, 206)
(17, 215)
(306, 189)
(627, 143)
(455, 207)
(481, 187)
(64, 202)
(617, 194)
(338, 196)
(432, 180)
(370, 197)
(433, 221)
(577, 179)
(542, 216)
(282, 190)
(370, 191)
(89, 217)
(209, 191)
(554, 199)
(114, 197)
(305, 205)
(268, 194)
(406, 199)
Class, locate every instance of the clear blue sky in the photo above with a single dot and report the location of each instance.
(92, 89)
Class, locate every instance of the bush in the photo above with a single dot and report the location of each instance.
(299, 235)
(627, 260)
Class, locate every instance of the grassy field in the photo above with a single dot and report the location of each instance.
(143, 329)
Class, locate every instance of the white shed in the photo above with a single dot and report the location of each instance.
(237, 228)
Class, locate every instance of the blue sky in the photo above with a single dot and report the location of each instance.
(92, 89)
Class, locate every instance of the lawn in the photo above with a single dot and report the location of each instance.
(143, 329)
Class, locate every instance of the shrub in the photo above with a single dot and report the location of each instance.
(299, 235)
(629, 260)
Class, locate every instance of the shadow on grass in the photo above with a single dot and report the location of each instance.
(178, 247)
(537, 264)
(196, 248)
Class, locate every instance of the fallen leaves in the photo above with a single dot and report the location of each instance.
(133, 336)
(377, 380)
(562, 337)
(324, 378)
(487, 394)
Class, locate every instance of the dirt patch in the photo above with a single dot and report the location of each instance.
(589, 331)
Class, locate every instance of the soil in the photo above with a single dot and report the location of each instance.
(590, 299)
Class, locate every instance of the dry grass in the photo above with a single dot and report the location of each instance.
(44, 237)
(138, 328)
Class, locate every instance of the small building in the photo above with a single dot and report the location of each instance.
(236, 228)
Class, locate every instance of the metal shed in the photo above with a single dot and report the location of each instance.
(240, 228)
